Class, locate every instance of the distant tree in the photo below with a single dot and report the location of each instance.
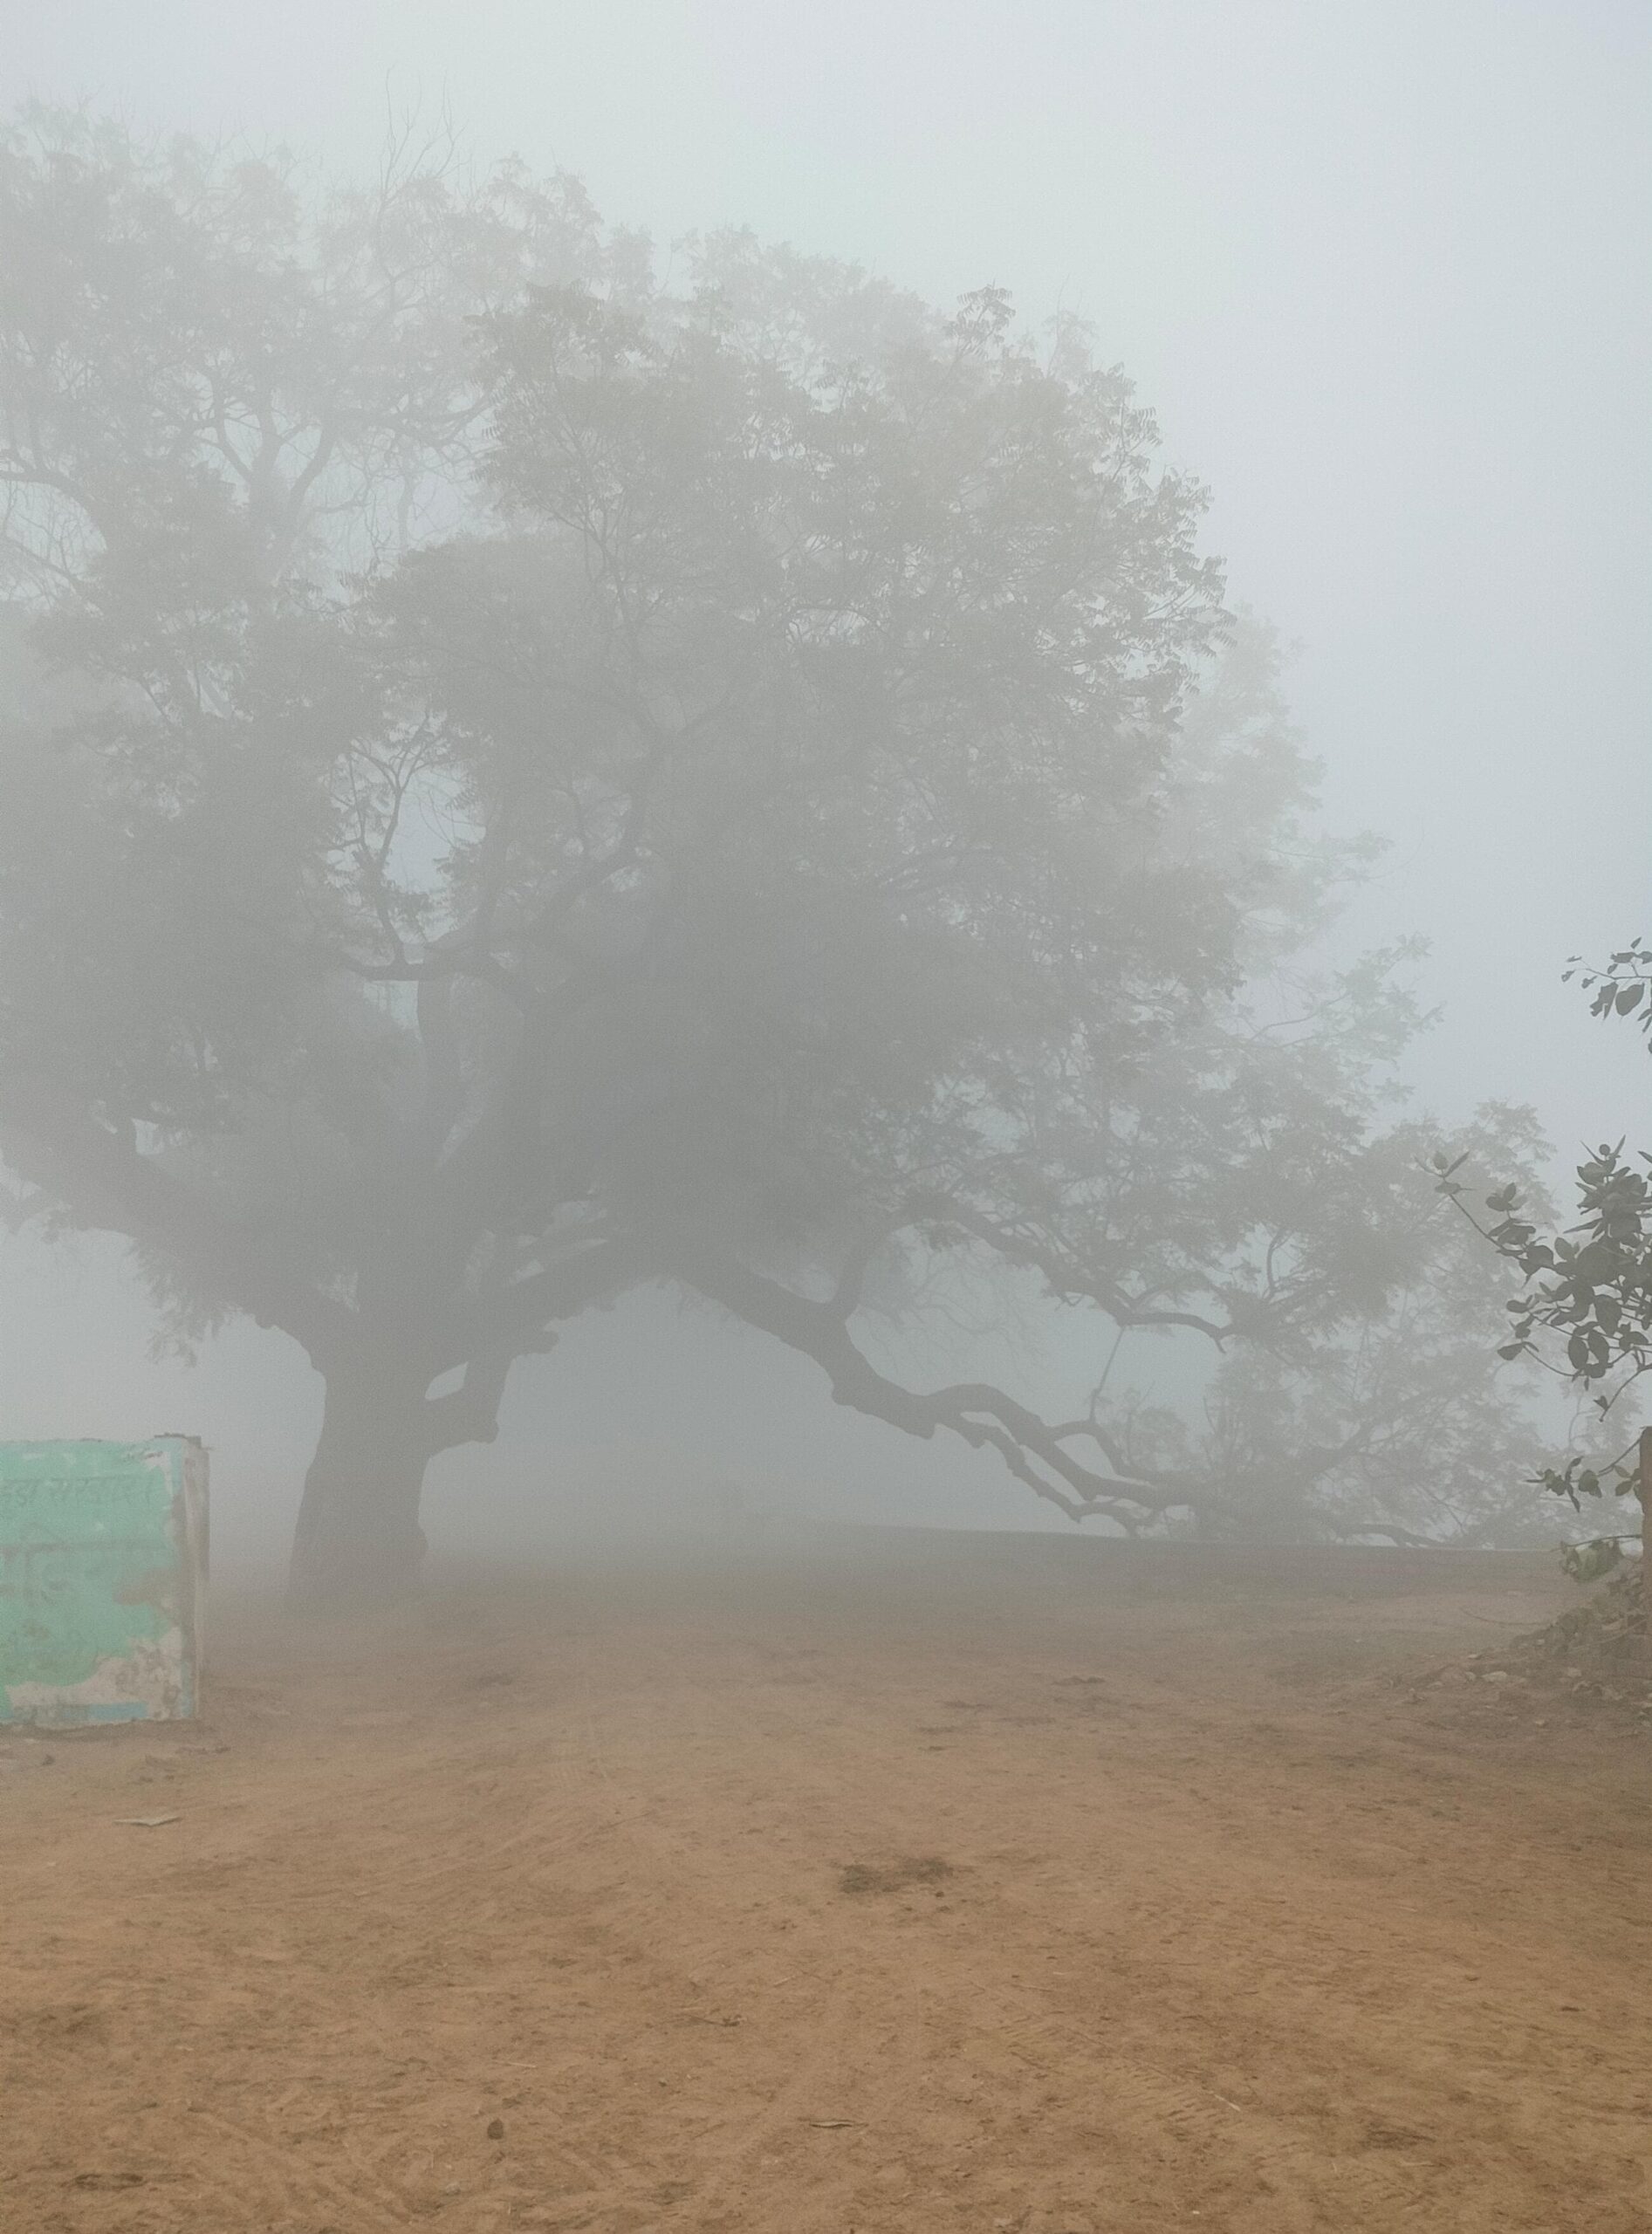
(1393, 1418)
(574, 784)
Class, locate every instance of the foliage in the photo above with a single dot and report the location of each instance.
(1588, 1561)
(572, 784)
(1589, 1286)
(1392, 1417)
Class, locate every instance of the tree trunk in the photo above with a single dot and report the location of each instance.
(359, 1541)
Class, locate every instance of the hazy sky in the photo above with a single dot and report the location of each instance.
(1384, 269)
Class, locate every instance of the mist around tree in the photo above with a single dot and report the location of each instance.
(533, 771)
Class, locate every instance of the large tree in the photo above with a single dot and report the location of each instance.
(578, 782)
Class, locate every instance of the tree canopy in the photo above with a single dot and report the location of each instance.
(575, 777)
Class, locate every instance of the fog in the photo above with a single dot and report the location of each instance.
(1384, 272)
(790, 800)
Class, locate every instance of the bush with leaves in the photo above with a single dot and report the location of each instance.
(1588, 1288)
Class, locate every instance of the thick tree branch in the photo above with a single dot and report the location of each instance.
(515, 1318)
(981, 1415)
(470, 1413)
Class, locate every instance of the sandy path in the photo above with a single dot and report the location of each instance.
(1230, 1936)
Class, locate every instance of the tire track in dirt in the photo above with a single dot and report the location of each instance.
(296, 2188)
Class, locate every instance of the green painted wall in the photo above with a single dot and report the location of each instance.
(100, 1580)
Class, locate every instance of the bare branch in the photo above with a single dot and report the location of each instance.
(981, 1414)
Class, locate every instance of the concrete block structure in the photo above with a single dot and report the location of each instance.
(103, 1565)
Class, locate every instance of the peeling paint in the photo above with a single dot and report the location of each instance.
(102, 1574)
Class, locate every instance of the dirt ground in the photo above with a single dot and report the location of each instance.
(924, 1883)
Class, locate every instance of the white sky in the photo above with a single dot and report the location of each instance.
(1384, 269)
